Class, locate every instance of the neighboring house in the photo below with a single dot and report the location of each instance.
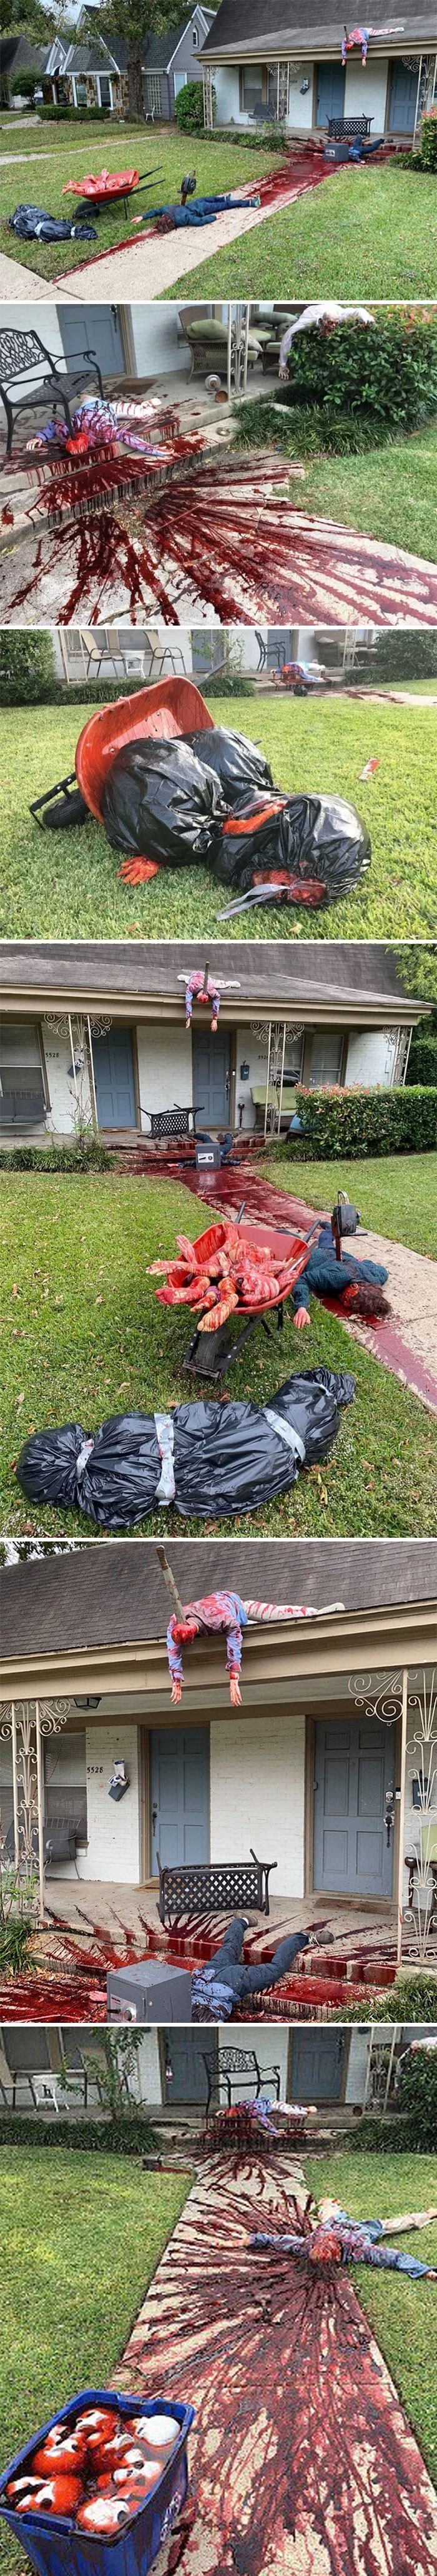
(95, 74)
(98, 1032)
(314, 1771)
(271, 60)
(328, 2067)
(173, 59)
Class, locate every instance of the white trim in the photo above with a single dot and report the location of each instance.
(99, 76)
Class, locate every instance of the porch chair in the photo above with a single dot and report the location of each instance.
(23, 355)
(207, 341)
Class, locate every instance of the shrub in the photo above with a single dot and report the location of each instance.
(27, 667)
(418, 2095)
(189, 108)
(122, 2137)
(389, 373)
(88, 1156)
(379, 2137)
(413, 1998)
(78, 115)
(364, 1122)
(428, 141)
(227, 684)
(422, 1060)
(23, 85)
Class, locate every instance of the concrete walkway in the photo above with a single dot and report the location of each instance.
(302, 2462)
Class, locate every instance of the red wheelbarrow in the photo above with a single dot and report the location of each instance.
(210, 1354)
(109, 188)
(173, 706)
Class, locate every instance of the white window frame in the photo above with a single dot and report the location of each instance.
(153, 83)
(99, 76)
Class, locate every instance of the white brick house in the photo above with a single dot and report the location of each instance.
(272, 61)
(98, 1031)
(314, 1771)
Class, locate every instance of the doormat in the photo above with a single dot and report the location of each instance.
(302, 2460)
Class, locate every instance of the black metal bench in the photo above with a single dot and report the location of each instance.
(342, 129)
(237, 2066)
(26, 363)
(175, 1122)
(213, 1887)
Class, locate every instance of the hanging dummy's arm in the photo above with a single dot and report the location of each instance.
(233, 1660)
(179, 1633)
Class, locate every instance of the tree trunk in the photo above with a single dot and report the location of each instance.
(135, 83)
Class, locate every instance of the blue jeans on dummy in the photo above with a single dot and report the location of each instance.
(228, 1966)
(201, 211)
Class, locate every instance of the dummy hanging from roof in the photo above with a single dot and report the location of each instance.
(225, 1612)
(200, 986)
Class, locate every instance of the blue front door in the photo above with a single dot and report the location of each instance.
(330, 91)
(179, 1780)
(211, 1076)
(354, 1769)
(403, 95)
(317, 2065)
(114, 1079)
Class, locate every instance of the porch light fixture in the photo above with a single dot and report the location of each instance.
(86, 1703)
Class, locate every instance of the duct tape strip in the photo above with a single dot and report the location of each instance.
(82, 1460)
(292, 1438)
(165, 1491)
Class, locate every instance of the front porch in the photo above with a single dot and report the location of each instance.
(325, 1771)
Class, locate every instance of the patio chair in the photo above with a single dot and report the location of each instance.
(207, 341)
(23, 357)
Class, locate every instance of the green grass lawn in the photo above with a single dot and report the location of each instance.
(57, 886)
(84, 1337)
(390, 493)
(401, 2312)
(84, 2234)
(368, 230)
(73, 152)
(396, 1193)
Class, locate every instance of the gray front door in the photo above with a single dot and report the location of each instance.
(185, 2073)
(114, 1079)
(354, 1769)
(316, 2065)
(403, 95)
(212, 1076)
(179, 1794)
(103, 333)
(330, 91)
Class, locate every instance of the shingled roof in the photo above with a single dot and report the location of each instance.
(357, 972)
(114, 1594)
(280, 26)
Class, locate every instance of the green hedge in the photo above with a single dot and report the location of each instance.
(412, 1999)
(387, 374)
(91, 1156)
(428, 141)
(27, 667)
(418, 2096)
(393, 2137)
(131, 2137)
(422, 1060)
(78, 116)
(364, 1122)
(189, 108)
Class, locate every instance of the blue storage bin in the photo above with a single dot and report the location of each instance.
(52, 2543)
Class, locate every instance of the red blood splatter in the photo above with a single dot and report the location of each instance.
(7, 517)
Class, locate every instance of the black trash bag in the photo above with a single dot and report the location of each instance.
(249, 845)
(239, 765)
(32, 223)
(113, 1479)
(159, 802)
(227, 1458)
(318, 850)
